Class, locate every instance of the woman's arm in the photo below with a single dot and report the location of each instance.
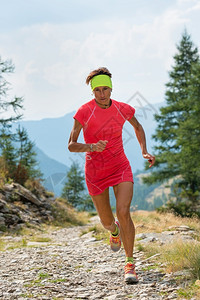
(140, 134)
(74, 146)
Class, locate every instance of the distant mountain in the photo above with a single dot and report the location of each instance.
(51, 136)
(54, 172)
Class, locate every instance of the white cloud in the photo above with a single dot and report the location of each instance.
(52, 60)
(194, 8)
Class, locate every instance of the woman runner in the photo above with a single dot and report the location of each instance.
(102, 120)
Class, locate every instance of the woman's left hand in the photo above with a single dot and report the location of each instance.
(151, 159)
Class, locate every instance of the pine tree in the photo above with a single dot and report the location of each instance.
(74, 186)
(27, 165)
(8, 153)
(18, 156)
(9, 109)
(74, 189)
(17, 152)
(189, 142)
(177, 123)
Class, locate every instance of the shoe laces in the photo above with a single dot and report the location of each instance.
(129, 268)
(115, 239)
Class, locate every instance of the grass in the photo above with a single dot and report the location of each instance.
(58, 280)
(43, 276)
(2, 245)
(79, 266)
(13, 245)
(152, 267)
(38, 281)
(64, 215)
(177, 256)
(26, 295)
(98, 232)
(155, 222)
(40, 239)
(188, 293)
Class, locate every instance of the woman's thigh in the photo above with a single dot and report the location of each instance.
(123, 194)
(102, 204)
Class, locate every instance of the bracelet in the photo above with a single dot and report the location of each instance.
(91, 148)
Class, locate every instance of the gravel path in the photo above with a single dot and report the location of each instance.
(74, 267)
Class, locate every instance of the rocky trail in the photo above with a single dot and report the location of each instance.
(75, 266)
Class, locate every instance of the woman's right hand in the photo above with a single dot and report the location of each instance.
(100, 145)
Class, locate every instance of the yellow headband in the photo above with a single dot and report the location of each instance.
(101, 80)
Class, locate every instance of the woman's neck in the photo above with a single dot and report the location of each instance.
(104, 106)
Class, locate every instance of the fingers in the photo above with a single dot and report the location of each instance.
(100, 145)
(151, 159)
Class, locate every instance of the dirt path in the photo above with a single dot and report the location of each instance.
(74, 267)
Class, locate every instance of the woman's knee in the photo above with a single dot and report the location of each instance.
(108, 225)
(123, 213)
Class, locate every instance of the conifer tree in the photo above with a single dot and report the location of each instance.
(9, 109)
(18, 154)
(178, 124)
(17, 151)
(74, 186)
(74, 189)
(8, 152)
(27, 165)
(189, 142)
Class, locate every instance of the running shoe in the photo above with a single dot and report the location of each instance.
(130, 274)
(115, 241)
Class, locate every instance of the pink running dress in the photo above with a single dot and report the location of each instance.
(110, 167)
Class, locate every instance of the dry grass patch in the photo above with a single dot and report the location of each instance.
(153, 221)
(2, 245)
(18, 244)
(65, 215)
(98, 232)
(183, 256)
(177, 256)
(40, 239)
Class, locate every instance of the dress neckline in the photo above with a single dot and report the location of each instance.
(104, 109)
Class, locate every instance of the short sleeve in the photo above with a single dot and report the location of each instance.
(79, 116)
(128, 111)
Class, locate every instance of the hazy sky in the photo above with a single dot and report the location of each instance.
(54, 44)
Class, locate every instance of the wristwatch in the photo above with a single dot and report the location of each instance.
(91, 148)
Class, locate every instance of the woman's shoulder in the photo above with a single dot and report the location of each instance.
(120, 104)
(126, 110)
(88, 105)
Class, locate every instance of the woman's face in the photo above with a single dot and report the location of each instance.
(102, 94)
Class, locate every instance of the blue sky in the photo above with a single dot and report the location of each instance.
(55, 44)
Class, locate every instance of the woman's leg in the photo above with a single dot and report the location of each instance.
(102, 204)
(124, 193)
